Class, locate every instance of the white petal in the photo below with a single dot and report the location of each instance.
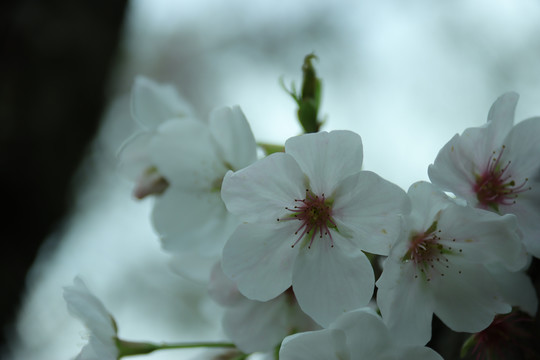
(133, 156)
(232, 133)
(426, 202)
(192, 221)
(327, 158)
(523, 149)
(222, 289)
(185, 154)
(460, 160)
(488, 138)
(329, 281)
(481, 236)
(257, 326)
(501, 115)
(516, 288)
(260, 192)
(367, 336)
(259, 258)
(328, 344)
(97, 349)
(406, 303)
(370, 210)
(153, 103)
(449, 173)
(468, 301)
(84, 305)
(418, 353)
(193, 265)
(527, 210)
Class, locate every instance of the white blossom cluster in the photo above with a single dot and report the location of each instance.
(287, 243)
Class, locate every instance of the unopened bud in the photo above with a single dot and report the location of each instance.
(508, 337)
(309, 99)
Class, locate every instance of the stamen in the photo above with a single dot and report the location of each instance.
(428, 255)
(315, 214)
(495, 186)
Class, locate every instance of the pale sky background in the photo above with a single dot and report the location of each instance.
(405, 75)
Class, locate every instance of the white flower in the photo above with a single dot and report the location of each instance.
(308, 214)
(356, 335)
(255, 326)
(194, 157)
(152, 104)
(496, 167)
(183, 161)
(82, 304)
(438, 267)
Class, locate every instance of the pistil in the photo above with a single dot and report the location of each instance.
(315, 215)
(495, 185)
(427, 253)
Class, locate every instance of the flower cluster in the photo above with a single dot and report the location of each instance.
(289, 244)
(182, 160)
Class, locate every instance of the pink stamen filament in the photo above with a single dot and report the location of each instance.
(495, 187)
(425, 251)
(315, 215)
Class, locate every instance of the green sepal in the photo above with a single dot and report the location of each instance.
(276, 352)
(467, 345)
(271, 148)
(130, 348)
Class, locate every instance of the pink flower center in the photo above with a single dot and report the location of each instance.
(315, 215)
(495, 185)
(428, 254)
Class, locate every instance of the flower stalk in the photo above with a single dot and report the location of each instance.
(130, 348)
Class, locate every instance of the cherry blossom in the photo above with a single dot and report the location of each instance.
(307, 216)
(152, 104)
(84, 305)
(182, 161)
(190, 216)
(496, 167)
(356, 335)
(439, 266)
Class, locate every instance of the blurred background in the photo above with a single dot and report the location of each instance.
(406, 76)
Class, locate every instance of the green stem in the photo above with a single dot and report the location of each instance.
(130, 348)
(196, 345)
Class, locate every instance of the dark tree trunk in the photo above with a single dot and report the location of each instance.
(55, 60)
